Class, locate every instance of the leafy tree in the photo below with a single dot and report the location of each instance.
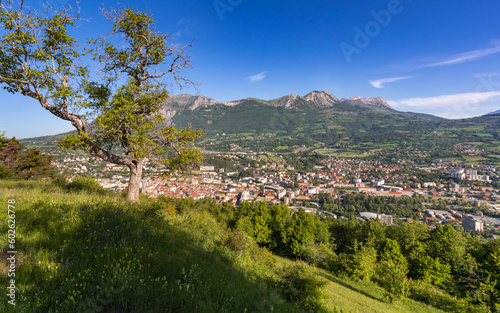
(280, 224)
(392, 276)
(9, 152)
(391, 270)
(428, 269)
(4, 172)
(20, 162)
(361, 264)
(33, 164)
(319, 255)
(302, 232)
(389, 250)
(408, 235)
(448, 245)
(121, 121)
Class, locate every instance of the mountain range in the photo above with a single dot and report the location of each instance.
(317, 99)
(319, 120)
(493, 113)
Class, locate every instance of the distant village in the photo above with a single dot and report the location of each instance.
(274, 181)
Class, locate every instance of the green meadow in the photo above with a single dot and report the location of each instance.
(91, 251)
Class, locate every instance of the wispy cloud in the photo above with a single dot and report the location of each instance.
(479, 75)
(467, 56)
(447, 101)
(379, 83)
(257, 77)
(185, 28)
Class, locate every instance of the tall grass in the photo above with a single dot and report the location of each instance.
(82, 252)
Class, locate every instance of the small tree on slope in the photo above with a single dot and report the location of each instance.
(121, 121)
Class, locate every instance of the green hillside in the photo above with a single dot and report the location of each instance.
(342, 130)
(337, 130)
(93, 252)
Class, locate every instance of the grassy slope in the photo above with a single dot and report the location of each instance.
(348, 296)
(79, 251)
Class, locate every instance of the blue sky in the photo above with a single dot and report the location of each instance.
(420, 55)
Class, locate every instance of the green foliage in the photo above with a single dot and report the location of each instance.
(82, 252)
(392, 276)
(319, 255)
(122, 123)
(388, 250)
(448, 245)
(20, 162)
(212, 254)
(301, 286)
(4, 172)
(432, 271)
(360, 265)
(301, 233)
(391, 270)
(60, 180)
(436, 297)
(238, 241)
(87, 184)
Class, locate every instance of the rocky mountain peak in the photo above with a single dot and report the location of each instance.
(189, 102)
(201, 100)
(286, 101)
(378, 102)
(321, 98)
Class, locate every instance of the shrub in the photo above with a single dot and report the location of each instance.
(357, 266)
(4, 172)
(87, 184)
(318, 255)
(427, 293)
(392, 277)
(265, 257)
(60, 180)
(302, 287)
(238, 241)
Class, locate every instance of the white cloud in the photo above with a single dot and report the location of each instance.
(393, 104)
(479, 75)
(379, 83)
(467, 56)
(185, 28)
(257, 77)
(447, 101)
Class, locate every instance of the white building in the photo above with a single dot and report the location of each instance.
(457, 174)
(468, 221)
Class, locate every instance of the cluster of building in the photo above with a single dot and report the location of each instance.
(253, 178)
(469, 174)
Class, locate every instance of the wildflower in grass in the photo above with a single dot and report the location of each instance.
(66, 264)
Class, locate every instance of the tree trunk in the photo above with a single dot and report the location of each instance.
(134, 183)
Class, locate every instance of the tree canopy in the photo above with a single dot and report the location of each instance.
(20, 162)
